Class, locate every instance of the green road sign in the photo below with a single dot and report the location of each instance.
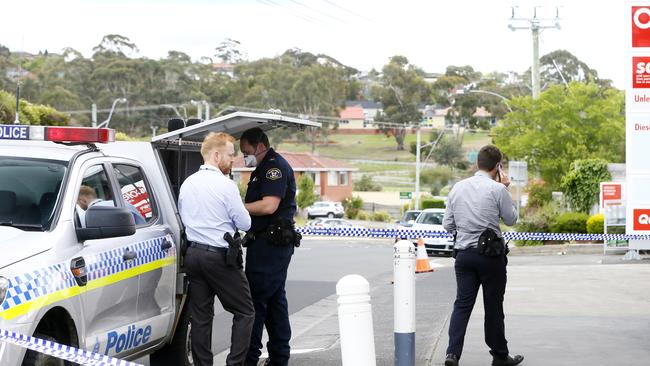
(405, 195)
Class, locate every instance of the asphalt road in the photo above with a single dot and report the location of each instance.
(315, 268)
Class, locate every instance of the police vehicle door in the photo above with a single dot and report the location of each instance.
(156, 253)
(111, 295)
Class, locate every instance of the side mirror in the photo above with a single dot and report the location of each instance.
(106, 222)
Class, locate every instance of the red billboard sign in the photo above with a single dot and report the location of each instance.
(641, 26)
(642, 219)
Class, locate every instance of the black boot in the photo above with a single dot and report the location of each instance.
(508, 361)
(452, 360)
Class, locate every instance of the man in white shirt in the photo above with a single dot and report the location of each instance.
(210, 206)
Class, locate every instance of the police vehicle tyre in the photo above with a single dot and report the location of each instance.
(179, 352)
(330, 215)
(33, 358)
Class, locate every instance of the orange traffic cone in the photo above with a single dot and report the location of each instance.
(422, 262)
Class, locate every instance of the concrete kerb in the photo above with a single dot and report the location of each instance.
(557, 249)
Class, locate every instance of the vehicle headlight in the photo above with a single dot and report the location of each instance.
(4, 285)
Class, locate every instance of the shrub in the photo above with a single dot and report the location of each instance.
(596, 224)
(352, 206)
(570, 222)
(363, 215)
(539, 193)
(581, 183)
(366, 184)
(433, 203)
(381, 216)
(306, 196)
(535, 221)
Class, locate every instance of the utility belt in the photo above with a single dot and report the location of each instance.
(281, 232)
(489, 244)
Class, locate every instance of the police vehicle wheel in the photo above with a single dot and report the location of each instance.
(33, 358)
(179, 352)
(330, 215)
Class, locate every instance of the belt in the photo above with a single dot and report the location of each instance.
(470, 249)
(209, 248)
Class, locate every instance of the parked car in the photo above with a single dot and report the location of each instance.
(326, 222)
(406, 222)
(325, 209)
(431, 219)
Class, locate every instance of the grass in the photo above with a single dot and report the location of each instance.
(382, 148)
(351, 147)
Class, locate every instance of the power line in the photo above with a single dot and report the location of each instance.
(318, 11)
(272, 3)
(346, 10)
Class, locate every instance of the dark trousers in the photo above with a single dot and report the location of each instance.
(209, 276)
(266, 270)
(474, 270)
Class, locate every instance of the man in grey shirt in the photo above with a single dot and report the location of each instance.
(474, 205)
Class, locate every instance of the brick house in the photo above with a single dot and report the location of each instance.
(332, 178)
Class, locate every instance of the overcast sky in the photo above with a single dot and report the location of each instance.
(360, 33)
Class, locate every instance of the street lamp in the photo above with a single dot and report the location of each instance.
(506, 101)
(173, 108)
(110, 114)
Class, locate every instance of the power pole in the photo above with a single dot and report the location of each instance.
(535, 24)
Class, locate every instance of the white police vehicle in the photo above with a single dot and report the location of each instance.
(106, 277)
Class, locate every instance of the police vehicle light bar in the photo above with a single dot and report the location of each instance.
(57, 134)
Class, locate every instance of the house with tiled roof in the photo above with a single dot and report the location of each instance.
(332, 178)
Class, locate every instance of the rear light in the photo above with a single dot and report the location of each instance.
(79, 134)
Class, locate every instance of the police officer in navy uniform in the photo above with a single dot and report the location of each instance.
(270, 199)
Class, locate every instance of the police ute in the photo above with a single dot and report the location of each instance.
(91, 241)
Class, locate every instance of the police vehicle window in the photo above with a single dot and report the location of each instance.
(95, 190)
(135, 192)
(29, 190)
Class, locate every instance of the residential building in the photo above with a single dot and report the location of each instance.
(332, 178)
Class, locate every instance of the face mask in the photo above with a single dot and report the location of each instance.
(250, 161)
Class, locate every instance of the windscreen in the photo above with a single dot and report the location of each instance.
(411, 215)
(430, 218)
(29, 190)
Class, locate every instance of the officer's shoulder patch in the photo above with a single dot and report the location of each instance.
(273, 174)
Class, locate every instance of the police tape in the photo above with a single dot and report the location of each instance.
(61, 351)
(415, 234)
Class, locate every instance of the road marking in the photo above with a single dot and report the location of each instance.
(519, 289)
(296, 351)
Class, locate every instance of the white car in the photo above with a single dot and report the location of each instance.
(431, 219)
(325, 209)
(324, 222)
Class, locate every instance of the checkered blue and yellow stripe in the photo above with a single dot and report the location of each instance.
(32, 290)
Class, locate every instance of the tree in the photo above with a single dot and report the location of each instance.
(448, 152)
(402, 91)
(229, 51)
(306, 196)
(366, 184)
(563, 125)
(581, 183)
(562, 66)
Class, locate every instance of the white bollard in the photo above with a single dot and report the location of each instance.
(355, 322)
(404, 302)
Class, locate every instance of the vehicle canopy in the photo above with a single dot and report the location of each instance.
(235, 124)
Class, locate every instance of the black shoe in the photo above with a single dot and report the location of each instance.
(508, 361)
(452, 360)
